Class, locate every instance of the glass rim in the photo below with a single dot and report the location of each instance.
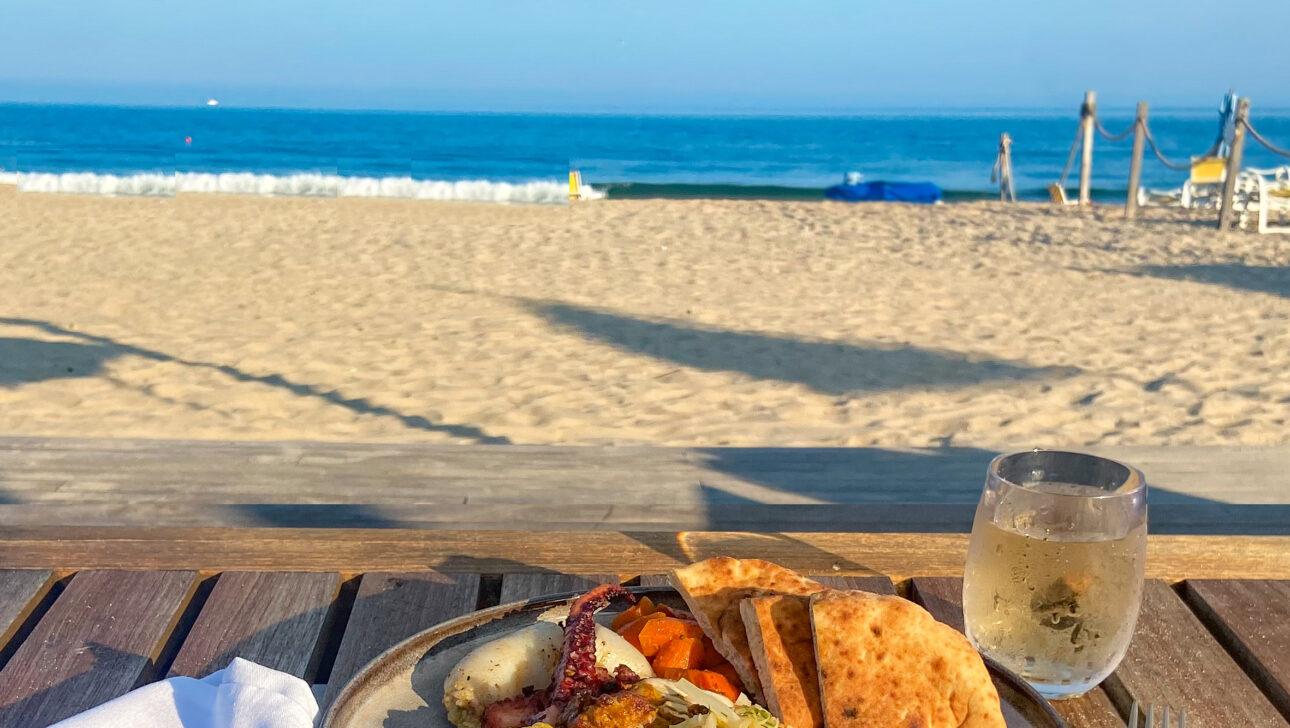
(1134, 484)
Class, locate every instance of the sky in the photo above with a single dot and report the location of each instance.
(645, 56)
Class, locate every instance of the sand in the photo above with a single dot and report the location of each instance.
(637, 322)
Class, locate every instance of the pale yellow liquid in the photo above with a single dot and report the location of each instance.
(1059, 613)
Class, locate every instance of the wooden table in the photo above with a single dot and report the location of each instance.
(87, 614)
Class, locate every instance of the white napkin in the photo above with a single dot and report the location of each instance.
(242, 695)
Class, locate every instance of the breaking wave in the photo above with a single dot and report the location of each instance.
(542, 192)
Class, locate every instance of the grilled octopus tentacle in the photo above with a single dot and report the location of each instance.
(576, 671)
(576, 677)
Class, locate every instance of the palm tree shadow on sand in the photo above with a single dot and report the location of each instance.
(1259, 279)
(829, 367)
(24, 361)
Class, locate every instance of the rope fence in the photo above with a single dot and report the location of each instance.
(1279, 151)
(1226, 152)
(1155, 149)
(1113, 138)
(1070, 160)
(1151, 142)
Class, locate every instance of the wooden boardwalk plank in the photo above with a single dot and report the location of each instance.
(948, 518)
(272, 618)
(1252, 620)
(391, 607)
(19, 593)
(518, 587)
(1173, 660)
(99, 637)
(1209, 518)
(177, 471)
(943, 597)
(896, 555)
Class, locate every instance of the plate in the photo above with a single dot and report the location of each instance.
(403, 687)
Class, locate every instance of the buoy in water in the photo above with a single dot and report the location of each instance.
(188, 140)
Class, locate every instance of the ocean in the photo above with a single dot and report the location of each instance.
(526, 157)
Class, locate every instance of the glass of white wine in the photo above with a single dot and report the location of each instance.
(1053, 579)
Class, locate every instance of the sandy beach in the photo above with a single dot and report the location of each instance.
(637, 322)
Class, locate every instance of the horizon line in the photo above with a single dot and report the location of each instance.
(803, 113)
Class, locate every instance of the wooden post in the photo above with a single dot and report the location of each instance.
(1135, 166)
(1007, 193)
(1226, 213)
(1087, 114)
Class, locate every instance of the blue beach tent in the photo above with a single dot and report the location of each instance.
(856, 191)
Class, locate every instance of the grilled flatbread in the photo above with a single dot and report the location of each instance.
(884, 661)
(713, 588)
(783, 649)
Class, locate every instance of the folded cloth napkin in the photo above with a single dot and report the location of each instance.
(242, 695)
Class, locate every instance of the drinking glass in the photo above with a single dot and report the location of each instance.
(1053, 578)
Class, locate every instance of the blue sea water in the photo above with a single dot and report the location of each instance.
(526, 158)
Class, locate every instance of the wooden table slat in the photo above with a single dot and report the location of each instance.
(654, 580)
(96, 641)
(19, 593)
(943, 597)
(1239, 613)
(1174, 660)
(389, 608)
(518, 587)
(273, 619)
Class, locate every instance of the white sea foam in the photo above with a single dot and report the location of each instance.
(292, 185)
(264, 185)
(88, 183)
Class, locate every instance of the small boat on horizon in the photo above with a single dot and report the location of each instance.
(212, 102)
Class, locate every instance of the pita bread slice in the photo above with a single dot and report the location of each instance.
(783, 649)
(885, 661)
(713, 588)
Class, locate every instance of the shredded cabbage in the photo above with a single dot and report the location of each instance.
(678, 695)
(760, 717)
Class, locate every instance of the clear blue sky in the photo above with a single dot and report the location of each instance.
(661, 56)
